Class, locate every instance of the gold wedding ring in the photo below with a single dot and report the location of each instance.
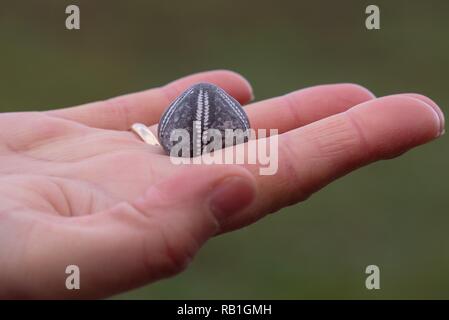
(145, 134)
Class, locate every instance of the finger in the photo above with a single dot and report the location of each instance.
(305, 106)
(146, 107)
(312, 156)
(134, 243)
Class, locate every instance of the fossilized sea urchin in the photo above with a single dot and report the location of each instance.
(205, 113)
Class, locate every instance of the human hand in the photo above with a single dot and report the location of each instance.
(76, 187)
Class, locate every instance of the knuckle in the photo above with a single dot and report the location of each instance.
(294, 104)
(291, 174)
(176, 248)
(318, 154)
(340, 137)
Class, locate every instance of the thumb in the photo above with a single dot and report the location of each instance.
(189, 208)
(193, 204)
(137, 242)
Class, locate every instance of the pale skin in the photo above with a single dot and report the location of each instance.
(76, 187)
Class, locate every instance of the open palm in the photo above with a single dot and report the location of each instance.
(78, 188)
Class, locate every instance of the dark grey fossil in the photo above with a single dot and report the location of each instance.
(199, 109)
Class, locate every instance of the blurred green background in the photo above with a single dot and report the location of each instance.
(393, 214)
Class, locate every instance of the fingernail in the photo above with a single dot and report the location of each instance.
(440, 116)
(252, 97)
(436, 109)
(442, 122)
(230, 196)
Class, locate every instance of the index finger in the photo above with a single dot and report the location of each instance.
(312, 156)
